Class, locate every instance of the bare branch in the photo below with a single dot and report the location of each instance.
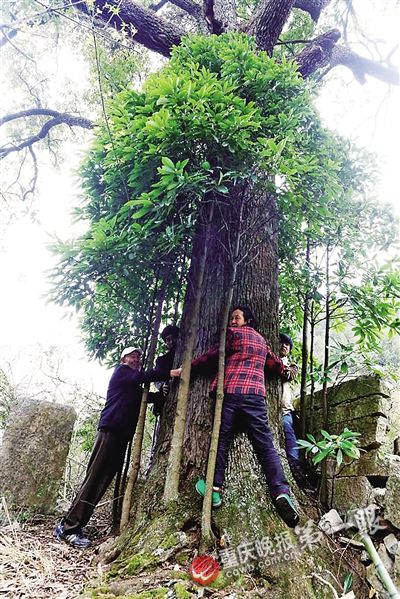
(313, 7)
(267, 23)
(8, 34)
(361, 66)
(137, 22)
(322, 52)
(33, 181)
(39, 112)
(59, 118)
(156, 6)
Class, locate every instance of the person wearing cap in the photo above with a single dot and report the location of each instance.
(286, 404)
(116, 428)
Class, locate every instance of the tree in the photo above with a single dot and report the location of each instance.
(155, 191)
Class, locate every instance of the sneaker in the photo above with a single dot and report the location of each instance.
(216, 495)
(285, 508)
(76, 539)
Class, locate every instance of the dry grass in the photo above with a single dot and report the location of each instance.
(34, 565)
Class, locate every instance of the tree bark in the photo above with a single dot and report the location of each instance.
(268, 22)
(313, 7)
(233, 258)
(220, 15)
(137, 22)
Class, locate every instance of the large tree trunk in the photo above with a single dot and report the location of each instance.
(247, 512)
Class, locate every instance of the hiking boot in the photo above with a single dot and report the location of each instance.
(76, 539)
(216, 495)
(285, 508)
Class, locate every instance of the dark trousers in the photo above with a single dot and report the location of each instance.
(292, 451)
(106, 459)
(251, 411)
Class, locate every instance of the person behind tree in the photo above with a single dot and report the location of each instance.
(247, 354)
(116, 428)
(165, 362)
(287, 410)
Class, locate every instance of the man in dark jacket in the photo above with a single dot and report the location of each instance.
(116, 428)
(165, 362)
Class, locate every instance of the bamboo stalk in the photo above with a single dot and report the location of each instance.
(380, 568)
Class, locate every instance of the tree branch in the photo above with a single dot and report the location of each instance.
(137, 22)
(158, 5)
(190, 7)
(361, 66)
(220, 15)
(268, 22)
(323, 52)
(318, 53)
(313, 7)
(8, 34)
(59, 118)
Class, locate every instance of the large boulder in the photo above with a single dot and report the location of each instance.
(33, 454)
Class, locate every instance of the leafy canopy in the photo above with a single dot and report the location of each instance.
(218, 114)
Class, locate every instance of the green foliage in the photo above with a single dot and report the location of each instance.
(8, 395)
(331, 446)
(86, 433)
(218, 115)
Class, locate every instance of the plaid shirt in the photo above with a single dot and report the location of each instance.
(247, 355)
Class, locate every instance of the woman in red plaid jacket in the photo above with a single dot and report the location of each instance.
(247, 357)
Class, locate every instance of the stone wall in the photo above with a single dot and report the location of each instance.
(33, 454)
(370, 406)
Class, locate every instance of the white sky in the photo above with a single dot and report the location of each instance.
(368, 114)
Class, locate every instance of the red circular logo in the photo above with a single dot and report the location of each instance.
(204, 569)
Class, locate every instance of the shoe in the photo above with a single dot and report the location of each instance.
(76, 539)
(285, 508)
(303, 483)
(216, 495)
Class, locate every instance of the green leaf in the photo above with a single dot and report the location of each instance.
(347, 583)
(142, 212)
